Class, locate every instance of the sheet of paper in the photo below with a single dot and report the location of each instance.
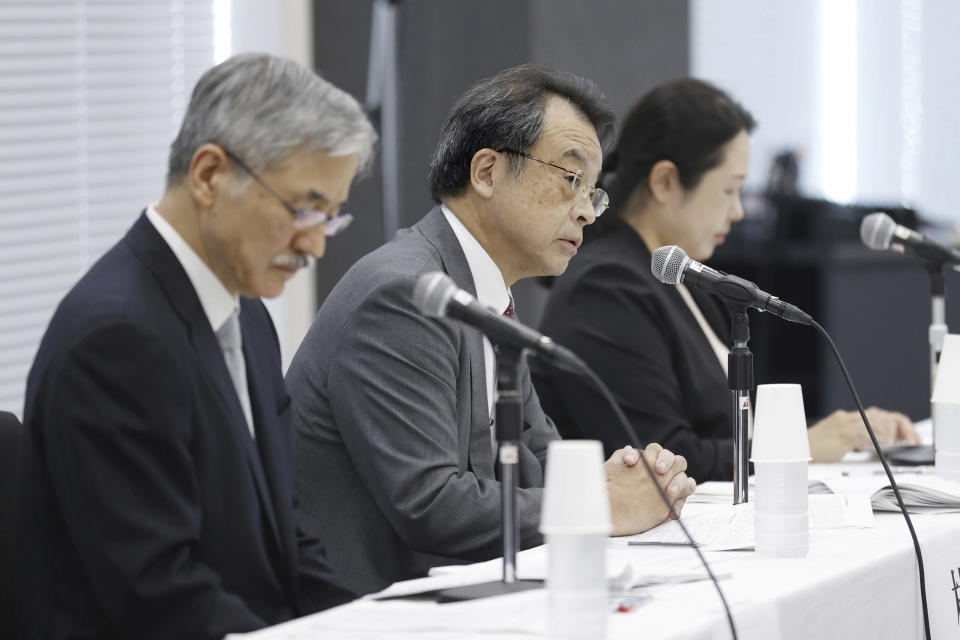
(729, 528)
(839, 510)
(430, 583)
(921, 492)
(531, 565)
(717, 529)
(520, 613)
(647, 567)
(719, 492)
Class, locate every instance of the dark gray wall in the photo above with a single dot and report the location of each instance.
(341, 54)
(877, 308)
(447, 45)
(626, 47)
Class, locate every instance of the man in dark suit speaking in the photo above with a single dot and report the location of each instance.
(157, 490)
(395, 466)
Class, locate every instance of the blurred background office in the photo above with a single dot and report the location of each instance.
(856, 103)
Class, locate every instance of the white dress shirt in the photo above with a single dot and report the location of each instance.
(491, 289)
(721, 350)
(218, 303)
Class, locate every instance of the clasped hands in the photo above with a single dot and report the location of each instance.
(635, 503)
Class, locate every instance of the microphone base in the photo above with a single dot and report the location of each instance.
(486, 590)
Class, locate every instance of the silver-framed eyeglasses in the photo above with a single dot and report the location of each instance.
(598, 197)
(302, 218)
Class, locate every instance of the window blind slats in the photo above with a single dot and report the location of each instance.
(91, 95)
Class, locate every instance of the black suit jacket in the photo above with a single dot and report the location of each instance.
(642, 340)
(147, 509)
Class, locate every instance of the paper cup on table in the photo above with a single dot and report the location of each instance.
(575, 519)
(946, 425)
(780, 454)
(945, 410)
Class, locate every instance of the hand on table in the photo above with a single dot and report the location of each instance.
(635, 503)
(844, 431)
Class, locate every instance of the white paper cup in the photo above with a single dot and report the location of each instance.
(576, 522)
(782, 536)
(780, 424)
(781, 521)
(946, 429)
(781, 487)
(947, 465)
(577, 585)
(575, 499)
(578, 615)
(782, 545)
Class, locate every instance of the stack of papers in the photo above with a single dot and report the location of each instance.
(626, 569)
(921, 492)
(917, 498)
(717, 492)
(730, 527)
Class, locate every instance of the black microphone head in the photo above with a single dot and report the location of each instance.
(667, 264)
(876, 230)
(432, 293)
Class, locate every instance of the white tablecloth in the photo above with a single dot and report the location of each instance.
(854, 583)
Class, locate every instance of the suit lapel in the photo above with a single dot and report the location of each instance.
(268, 465)
(152, 249)
(475, 448)
(714, 313)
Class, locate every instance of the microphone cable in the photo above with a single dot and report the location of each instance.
(886, 468)
(587, 372)
(668, 264)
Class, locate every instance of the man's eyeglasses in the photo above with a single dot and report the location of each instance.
(598, 197)
(302, 218)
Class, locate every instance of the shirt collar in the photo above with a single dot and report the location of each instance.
(492, 291)
(217, 302)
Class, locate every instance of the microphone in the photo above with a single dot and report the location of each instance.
(436, 295)
(671, 265)
(879, 232)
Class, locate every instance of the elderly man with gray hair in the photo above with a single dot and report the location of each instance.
(157, 489)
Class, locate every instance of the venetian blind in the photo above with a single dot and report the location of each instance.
(91, 95)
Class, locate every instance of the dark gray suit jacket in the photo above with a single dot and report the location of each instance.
(394, 463)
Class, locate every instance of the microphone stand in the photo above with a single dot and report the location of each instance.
(740, 382)
(509, 427)
(938, 327)
(925, 454)
(938, 318)
(383, 101)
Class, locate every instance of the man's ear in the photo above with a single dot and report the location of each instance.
(210, 172)
(482, 171)
(664, 182)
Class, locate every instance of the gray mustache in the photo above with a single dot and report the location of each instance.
(296, 260)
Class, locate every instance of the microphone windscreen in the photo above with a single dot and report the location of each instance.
(432, 293)
(667, 264)
(876, 230)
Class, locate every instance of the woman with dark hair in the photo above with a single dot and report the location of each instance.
(674, 178)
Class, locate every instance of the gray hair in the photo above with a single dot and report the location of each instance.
(264, 108)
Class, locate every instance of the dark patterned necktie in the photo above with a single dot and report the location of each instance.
(510, 312)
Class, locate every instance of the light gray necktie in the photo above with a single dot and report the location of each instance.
(231, 342)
